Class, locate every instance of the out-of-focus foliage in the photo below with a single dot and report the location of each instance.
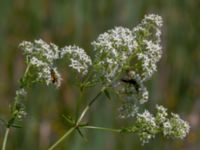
(65, 22)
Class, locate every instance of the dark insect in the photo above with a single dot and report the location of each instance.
(54, 78)
(132, 82)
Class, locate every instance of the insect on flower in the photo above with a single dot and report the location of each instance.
(54, 77)
(132, 82)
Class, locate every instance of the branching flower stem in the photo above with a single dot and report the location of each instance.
(77, 124)
(88, 106)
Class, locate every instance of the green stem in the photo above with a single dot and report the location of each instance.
(78, 104)
(27, 69)
(5, 138)
(88, 106)
(25, 75)
(102, 128)
(62, 138)
(14, 112)
(78, 121)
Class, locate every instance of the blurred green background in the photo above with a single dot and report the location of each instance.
(176, 85)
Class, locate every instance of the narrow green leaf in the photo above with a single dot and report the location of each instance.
(16, 126)
(81, 134)
(107, 94)
(69, 119)
(83, 124)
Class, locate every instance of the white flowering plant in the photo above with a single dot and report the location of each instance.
(123, 61)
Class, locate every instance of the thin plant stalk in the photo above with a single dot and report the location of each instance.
(62, 138)
(5, 138)
(78, 104)
(102, 128)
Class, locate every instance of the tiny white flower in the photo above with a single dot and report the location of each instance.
(161, 115)
(154, 18)
(167, 128)
(21, 92)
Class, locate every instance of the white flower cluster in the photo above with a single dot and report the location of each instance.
(79, 60)
(19, 109)
(40, 50)
(176, 127)
(161, 114)
(41, 56)
(147, 126)
(112, 49)
(147, 35)
(138, 50)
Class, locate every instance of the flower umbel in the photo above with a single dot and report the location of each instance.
(41, 50)
(147, 126)
(40, 56)
(175, 127)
